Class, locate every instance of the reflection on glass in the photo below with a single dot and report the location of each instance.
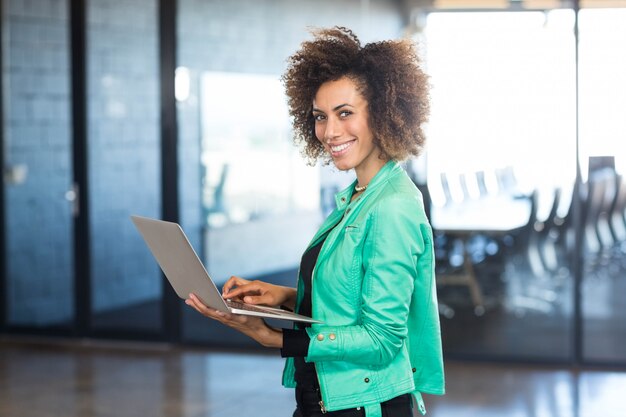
(602, 86)
(256, 186)
(501, 167)
(182, 84)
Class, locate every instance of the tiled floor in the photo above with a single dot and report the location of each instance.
(97, 380)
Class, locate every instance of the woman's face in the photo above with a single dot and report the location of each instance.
(341, 125)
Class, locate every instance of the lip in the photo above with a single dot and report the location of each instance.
(339, 149)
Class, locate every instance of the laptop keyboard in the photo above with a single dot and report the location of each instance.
(242, 306)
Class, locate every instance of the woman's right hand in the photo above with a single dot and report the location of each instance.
(259, 292)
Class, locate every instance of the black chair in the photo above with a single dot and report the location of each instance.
(617, 219)
(593, 204)
(482, 184)
(603, 222)
(507, 181)
(538, 257)
(547, 249)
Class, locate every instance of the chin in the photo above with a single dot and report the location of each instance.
(343, 165)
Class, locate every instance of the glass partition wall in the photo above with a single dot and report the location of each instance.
(602, 90)
(501, 171)
(501, 180)
(507, 146)
(37, 172)
(124, 163)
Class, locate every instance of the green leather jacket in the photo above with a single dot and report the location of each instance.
(373, 287)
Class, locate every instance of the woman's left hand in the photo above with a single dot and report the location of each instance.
(251, 326)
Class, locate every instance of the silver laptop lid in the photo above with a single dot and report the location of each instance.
(187, 274)
(179, 261)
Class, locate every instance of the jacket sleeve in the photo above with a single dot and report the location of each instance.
(392, 247)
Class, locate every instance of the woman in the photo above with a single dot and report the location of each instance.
(367, 274)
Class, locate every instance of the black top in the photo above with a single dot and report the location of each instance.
(296, 341)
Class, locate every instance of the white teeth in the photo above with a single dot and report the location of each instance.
(340, 148)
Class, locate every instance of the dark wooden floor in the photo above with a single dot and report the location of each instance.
(98, 379)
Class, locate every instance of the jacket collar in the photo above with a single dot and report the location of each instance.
(391, 168)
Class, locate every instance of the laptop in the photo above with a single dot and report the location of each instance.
(186, 273)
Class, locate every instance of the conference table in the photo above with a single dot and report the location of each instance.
(492, 215)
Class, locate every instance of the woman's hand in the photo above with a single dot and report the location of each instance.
(251, 326)
(259, 292)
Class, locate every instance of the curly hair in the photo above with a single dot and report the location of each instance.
(387, 74)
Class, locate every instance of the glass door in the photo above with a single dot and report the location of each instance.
(37, 165)
(501, 158)
(123, 164)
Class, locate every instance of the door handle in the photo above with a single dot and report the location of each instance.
(71, 195)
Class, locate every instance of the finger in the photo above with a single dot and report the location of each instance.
(245, 324)
(232, 282)
(245, 289)
(201, 308)
(198, 307)
(259, 299)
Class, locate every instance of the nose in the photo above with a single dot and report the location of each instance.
(331, 130)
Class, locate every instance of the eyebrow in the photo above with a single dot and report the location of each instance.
(334, 108)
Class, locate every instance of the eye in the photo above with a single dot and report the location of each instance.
(344, 113)
(319, 117)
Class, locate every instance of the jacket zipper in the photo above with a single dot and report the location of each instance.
(321, 401)
(322, 407)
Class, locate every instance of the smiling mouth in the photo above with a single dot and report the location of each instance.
(337, 150)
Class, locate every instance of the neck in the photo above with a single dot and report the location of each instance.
(365, 174)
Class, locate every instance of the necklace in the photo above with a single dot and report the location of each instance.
(360, 188)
